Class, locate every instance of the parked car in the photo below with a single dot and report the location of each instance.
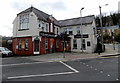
(5, 52)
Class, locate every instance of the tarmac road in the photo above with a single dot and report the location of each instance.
(97, 69)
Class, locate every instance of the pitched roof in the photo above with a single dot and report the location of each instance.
(68, 22)
(77, 21)
(40, 14)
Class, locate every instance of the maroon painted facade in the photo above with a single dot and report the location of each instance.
(53, 45)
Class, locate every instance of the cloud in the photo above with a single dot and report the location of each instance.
(56, 6)
(19, 6)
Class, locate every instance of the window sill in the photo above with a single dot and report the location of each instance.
(25, 49)
(74, 48)
(19, 50)
(22, 29)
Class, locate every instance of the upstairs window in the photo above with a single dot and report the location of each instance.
(43, 26)
(24, 20)
(78, 30)
(65, 30)
(70, 31)
(46, 27)
(57, 30)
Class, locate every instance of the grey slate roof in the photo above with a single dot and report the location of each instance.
(77, 21)
(68, 22)
(41, 15)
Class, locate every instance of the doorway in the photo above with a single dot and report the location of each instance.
(36, 46)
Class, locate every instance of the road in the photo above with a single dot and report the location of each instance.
(24, 69)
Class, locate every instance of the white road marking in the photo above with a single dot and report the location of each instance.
(84, 63)
(87, 65)
(95, 68)
(91, 67)
(40, 75)
(69, 67)
(24, 63)
(101, 62)
(101, 71)
(108, 75)
(117, 79)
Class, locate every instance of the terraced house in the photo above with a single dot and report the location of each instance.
(35, 32)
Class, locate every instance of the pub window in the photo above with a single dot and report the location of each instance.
(78, 30)
(46, 44)
(24, 20)
(57, 30)
(19, 45)
(57, 45)
(46, 27)
(88, 43)
(70, 31)
(43, 28)
(83, 44)
(26, 44)
(74, 44)
(65, 30)
(39, 25)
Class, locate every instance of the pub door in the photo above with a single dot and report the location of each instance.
(36, 46)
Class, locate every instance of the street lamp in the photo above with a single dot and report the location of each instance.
(81, 29)
(101, 24)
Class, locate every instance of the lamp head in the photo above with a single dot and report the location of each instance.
(82, 8)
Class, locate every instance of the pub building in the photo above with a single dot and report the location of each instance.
(35, 32)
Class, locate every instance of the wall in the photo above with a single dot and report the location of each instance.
(23, 52)
(86, 29)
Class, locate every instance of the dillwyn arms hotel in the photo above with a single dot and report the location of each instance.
(35, 32)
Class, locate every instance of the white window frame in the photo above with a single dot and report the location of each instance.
(23, 21)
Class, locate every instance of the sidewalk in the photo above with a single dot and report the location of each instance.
(73, 56)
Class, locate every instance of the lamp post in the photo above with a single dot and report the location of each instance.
(81, 29)
(101, 25)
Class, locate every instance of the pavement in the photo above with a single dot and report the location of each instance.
(68, 56)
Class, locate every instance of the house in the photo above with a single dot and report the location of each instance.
(76, 27)
(35, 32)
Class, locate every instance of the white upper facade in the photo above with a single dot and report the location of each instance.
(29, 24)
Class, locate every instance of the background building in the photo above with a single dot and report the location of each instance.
(81, 26)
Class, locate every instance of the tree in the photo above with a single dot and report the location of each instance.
(117, 38)
(106, 38)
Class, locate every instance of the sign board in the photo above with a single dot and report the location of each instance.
(79, 36)
(46, 34)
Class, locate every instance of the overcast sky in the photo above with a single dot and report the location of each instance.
(60, 9)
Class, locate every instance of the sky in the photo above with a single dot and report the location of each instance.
(60, 9)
